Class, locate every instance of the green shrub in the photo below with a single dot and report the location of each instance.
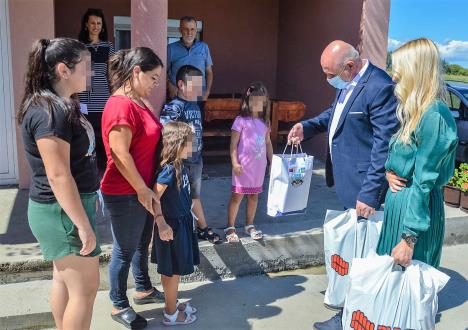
(462, 181)
(454, 180)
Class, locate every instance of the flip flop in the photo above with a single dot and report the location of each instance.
(154, 297)
(130, 319)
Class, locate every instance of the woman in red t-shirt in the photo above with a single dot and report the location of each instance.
(131, 133)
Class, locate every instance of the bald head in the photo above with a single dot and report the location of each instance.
(339, 58)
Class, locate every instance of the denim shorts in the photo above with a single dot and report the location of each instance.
(195, 176)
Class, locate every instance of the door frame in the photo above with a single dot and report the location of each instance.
(8, 102)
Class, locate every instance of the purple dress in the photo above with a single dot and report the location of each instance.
(251, 155)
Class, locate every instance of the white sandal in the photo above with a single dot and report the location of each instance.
(232, 237)
(254, 234)
(171, 319)
(189, 309)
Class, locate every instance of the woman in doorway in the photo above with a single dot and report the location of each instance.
(93, 34)
(59, 146)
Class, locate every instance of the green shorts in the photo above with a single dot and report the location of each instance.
(55, 232)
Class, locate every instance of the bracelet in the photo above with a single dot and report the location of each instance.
(158, 215)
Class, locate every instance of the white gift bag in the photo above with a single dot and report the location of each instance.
(290, 177)
(383, 296)
(345, 238)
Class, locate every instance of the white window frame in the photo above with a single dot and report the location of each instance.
(124, 23)
(7, 103)
(121, 23)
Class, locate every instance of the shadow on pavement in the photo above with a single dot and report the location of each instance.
(454, 294)
(237, 309)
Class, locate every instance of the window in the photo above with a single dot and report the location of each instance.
(122, 32)
(173, 33)
(452, 103)
(123, 27)
(455, 101)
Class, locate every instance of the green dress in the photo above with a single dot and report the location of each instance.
(427, 162)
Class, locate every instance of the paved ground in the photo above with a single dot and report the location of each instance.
(287, 300)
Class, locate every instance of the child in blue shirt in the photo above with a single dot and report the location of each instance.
(185, 108)
(175, 246)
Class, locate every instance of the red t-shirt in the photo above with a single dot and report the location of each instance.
(146, 132)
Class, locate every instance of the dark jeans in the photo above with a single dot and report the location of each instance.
(132, 229)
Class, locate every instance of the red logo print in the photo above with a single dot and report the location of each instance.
(360, 322)
(339, 265)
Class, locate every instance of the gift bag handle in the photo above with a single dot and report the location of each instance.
(297, 146)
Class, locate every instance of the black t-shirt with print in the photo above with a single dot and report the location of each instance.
(37, 123)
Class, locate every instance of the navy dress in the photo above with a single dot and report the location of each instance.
(178, 256)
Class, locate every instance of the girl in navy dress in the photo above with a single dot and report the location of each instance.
(175, 247)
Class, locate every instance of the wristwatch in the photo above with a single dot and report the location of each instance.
(409, 239)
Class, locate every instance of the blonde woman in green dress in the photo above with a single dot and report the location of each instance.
(421, 158)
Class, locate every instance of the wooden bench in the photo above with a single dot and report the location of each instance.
(228, 109)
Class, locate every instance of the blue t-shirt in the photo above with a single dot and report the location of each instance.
(178, 55)
(187, 112)
(176, 201)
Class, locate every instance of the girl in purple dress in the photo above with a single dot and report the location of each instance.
(250, 149)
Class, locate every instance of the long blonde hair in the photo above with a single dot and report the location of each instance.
(175, 136)
(417, 71)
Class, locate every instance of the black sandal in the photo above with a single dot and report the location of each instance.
(207, 234)
(130, 319)
(154, 297)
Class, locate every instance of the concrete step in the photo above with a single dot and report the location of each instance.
(286, 246)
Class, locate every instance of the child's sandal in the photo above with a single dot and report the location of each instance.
(207, 234)
(171, 319)
(188, 309)
(253, 232)
(232, 237)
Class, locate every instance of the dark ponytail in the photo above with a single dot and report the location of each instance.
(121, 65)
(41, 74)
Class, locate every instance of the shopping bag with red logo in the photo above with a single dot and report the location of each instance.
(346, 237)
(382, 296)
(290, 178)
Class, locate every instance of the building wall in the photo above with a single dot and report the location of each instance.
(305, 29)
(276, 41)
(374, 31)
(149, 29)
(68, 15)
(40, 15)
(242, 36)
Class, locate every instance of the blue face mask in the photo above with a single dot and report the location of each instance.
(337, 82)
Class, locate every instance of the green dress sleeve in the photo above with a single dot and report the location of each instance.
(433, 143)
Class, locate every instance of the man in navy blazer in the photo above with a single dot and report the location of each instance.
(360, 123)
